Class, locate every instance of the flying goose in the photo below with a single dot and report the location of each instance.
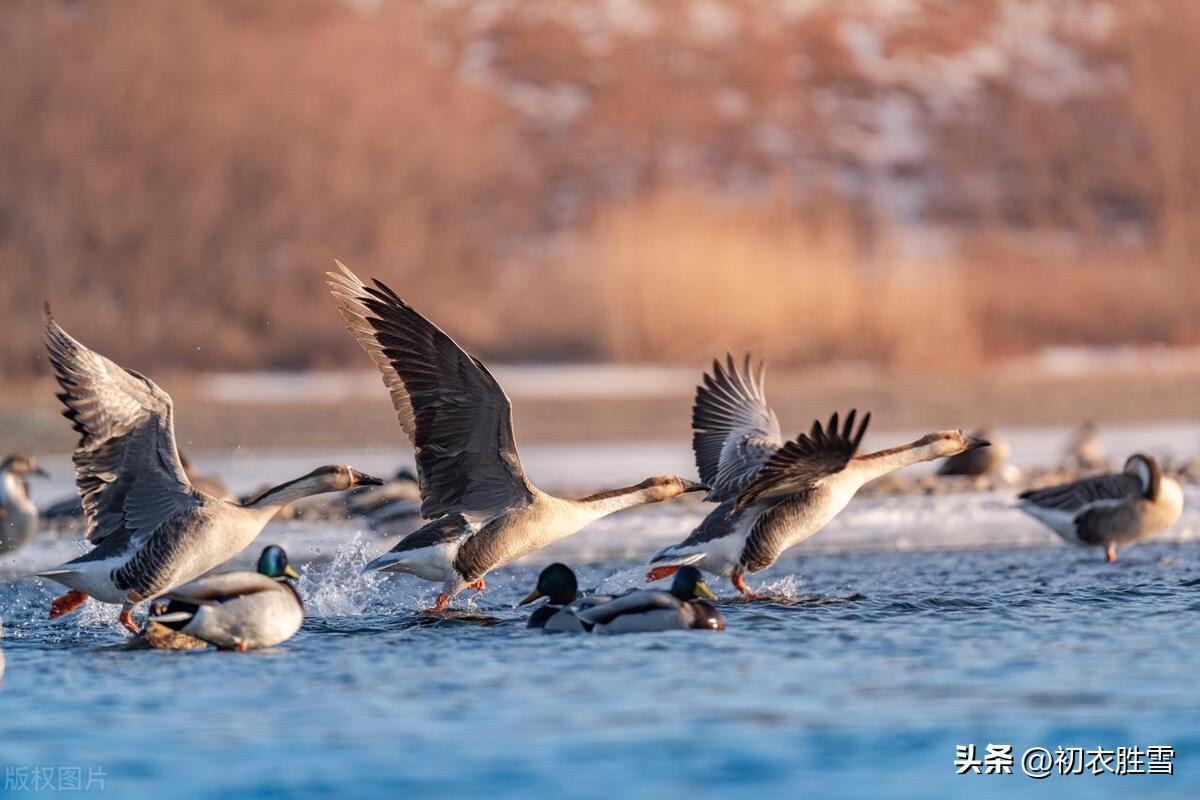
(237, 610)
(18, 513)
(651, 610)
(152, 529)
(1109, 510)
(558, 584)
(773, 494)
(483, 511)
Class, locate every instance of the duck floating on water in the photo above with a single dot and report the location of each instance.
(152, 529)
(558, 584)
(772, 494)
(18, 512)
(649, 610)
(483, 511)
(1110, 510)
(238, 610)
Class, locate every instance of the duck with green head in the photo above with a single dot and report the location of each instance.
(685, 607)
(238, 610)
(558, 584)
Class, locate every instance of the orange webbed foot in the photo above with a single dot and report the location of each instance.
(67, 603)
(739, 583)
(658, 573)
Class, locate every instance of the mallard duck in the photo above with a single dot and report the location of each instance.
(153, 530)
(653, 610)
(238, 610)
(1109, 510)
(559, 585)
(18, 512)
(483, 511)
(772, 494)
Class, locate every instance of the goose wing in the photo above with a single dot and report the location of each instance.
(455, 413)
(734, 431)
(809, 458)
(127, 467)
(1072, 498)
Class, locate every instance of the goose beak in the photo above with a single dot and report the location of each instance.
(702, 590)
(363, 479)
(288, 572)
(692, 486)
(529, 598)
(976, 442)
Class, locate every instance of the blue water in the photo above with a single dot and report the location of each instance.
(861, 689)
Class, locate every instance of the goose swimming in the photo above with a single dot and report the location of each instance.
(774, 495)
(18, 512)
(647, 610)
(1110, 510)
(483, 511)
(238, 610)
(152, 529)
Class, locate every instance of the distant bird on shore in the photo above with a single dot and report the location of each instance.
(237, 610)
(1085, 449)
(484, 511)
(18, 512)
(1109, 510)
(649, 610)
(774, 495)
(981, 460)
(153, 530)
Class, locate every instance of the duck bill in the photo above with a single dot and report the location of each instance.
(692, 486)
(976, 442)
(363, 479)
(529, 598)
(702, 590)
(288, 572)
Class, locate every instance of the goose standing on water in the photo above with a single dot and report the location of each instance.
(484, 512)
(1109, 510)
(238, 610)
(647, 610)
(18, 512)
(774, 495)
(152, 529)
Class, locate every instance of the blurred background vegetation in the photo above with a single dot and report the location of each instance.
(921, 185)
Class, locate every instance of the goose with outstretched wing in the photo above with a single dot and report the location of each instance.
(152, 529)
(483, 511)
(1110, 510)
(773, 494)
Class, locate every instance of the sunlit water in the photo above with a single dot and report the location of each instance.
(862, 687)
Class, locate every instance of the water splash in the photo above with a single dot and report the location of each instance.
(340, 588)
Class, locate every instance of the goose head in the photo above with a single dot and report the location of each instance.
(666, 487)
(21, 466)
(1148, 471)
(949, 443)
(556, 582)
(689, 584)
(274, 564)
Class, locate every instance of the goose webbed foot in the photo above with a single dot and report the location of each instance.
(443, 600)
(67, 603)
(127, 621)
(739, 583)
(658, 573)
(478, 585)
(1110, 554)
